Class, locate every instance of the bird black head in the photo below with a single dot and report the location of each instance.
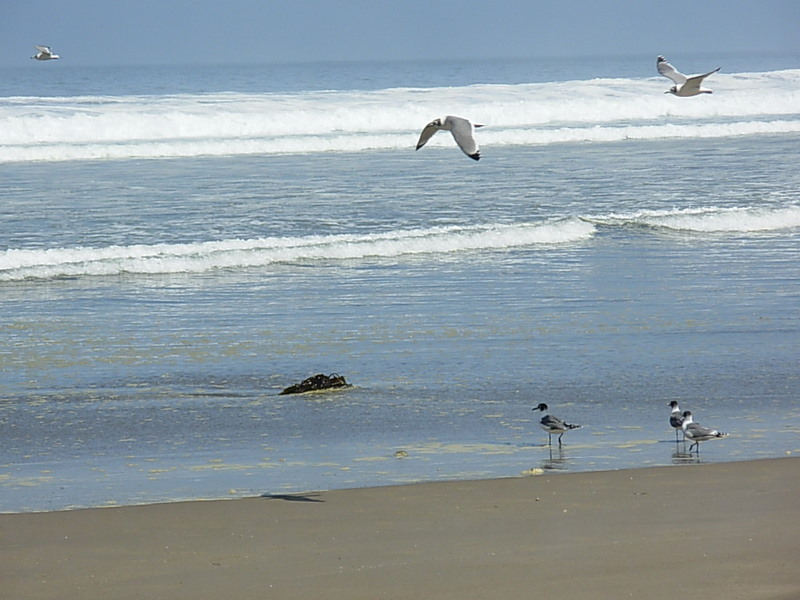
(541, 407)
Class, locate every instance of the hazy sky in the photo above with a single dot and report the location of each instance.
(87, 32)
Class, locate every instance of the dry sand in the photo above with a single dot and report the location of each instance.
(722, 531)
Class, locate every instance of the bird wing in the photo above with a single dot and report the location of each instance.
(670, 72)
(552, 422)
(44, 49)
(694, 82)
(426, 134)
(695, 430)
(463, 133)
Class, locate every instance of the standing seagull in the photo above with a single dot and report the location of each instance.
(684, 86)
(44, 53)
(696, 432)
(463, 133)
(676, 418)
(553, 425)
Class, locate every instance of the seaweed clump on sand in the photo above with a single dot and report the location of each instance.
(317, 382)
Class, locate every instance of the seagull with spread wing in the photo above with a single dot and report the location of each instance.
(684, 86)
(44, 53)
(463, 132)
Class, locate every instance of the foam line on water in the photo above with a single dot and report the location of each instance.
(98, 127)
(18, 264)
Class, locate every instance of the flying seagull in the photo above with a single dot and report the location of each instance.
(553, 425)
(462, 130)
(44, 53)
(696, 432)
(684, 86)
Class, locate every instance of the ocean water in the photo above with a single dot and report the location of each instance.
(178, 244)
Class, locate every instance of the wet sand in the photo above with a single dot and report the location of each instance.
(717, 531)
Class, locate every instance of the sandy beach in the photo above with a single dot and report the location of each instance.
(717, 531)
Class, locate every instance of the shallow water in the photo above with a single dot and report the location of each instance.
(155, 308)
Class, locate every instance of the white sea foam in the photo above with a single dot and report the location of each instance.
(20, 264)
(17, 264)
(711, 219)
(88, 128)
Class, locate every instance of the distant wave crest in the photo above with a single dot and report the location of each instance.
(91, 128)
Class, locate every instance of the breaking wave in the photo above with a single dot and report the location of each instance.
(18, 264)
(171, 126)
(710, 220)
(21, 264)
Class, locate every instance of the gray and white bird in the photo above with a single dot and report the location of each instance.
(463, 132)
(684, 86)
(45, 53)
(553, 425)
(676, 418)
(696, 432)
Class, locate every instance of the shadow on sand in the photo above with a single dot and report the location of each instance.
(293, 497)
